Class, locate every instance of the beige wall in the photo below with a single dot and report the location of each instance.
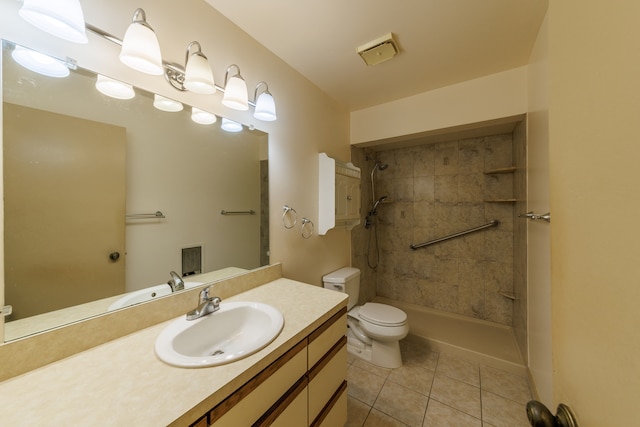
(480, 100)
(297, 136)
(538, 245)
(594, 102)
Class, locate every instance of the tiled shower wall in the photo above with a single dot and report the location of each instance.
(435, 190)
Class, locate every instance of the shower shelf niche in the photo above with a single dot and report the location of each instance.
(500, 171)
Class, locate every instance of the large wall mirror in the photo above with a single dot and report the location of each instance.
(105, 197)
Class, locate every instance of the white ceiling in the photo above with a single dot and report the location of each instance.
(441, 42)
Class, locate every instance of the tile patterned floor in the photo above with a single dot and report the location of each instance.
(434, 389)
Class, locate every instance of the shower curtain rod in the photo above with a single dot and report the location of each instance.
(493, 223)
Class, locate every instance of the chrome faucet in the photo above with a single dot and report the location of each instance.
(176, 282)
(206, 305)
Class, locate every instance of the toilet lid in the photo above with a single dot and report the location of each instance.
(382, 314)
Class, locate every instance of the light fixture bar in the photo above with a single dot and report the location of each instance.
(174, 73)
(97, 31)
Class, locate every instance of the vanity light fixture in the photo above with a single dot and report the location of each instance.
(166, 104)
(198, 76)
(140, 47)
(230, 125)
(61, 18)
(39, 62)
(195, 76)
(235, 91)
(202, 117)
(265, 106)
(114, 88)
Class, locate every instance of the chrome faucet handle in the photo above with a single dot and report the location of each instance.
(204, 295)
(216, 303)
(206, 305)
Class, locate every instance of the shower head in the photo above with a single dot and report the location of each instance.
(379, 165)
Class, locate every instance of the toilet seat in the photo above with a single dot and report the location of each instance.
(382, 314)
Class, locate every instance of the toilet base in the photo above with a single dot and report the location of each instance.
(382, 354)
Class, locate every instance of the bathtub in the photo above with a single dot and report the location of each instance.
(488, 343)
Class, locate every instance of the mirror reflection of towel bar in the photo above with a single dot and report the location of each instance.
(156, 214)
(250, 212)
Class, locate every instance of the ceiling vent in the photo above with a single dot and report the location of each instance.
(379, 50)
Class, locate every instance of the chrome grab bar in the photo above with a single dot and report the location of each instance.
(493, 223)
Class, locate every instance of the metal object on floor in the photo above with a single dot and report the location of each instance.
(540, 416)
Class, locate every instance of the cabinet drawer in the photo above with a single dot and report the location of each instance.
(322, 339)
(335, 413)
(327, 377)
(251, 401)
(295, 414)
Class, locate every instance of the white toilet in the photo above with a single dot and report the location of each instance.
(374, 330)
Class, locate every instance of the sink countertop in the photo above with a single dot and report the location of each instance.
(123, 382)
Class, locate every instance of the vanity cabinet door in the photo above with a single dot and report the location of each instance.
(249, 403)
(291, 409)
(326, 336)
(326, 377)
(305, 386)
(335, 412)
(327, 352)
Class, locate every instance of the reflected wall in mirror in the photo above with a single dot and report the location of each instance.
(79, 166)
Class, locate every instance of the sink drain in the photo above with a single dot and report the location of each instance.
(217, 352)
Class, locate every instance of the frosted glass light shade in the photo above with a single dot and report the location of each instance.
(140, 48)
(61, 18)
(198, 77)
(235, 94)
(230, 126)
(166, 104)
(202, 117)
(265, 107)
(39, 62)
(114, 88)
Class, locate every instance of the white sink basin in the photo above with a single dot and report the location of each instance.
(236, 330)
(147, 294)
(141, 295)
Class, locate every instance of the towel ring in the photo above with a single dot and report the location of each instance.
(289, 217)
(307, 228)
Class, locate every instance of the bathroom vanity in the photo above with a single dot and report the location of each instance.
(298, 379)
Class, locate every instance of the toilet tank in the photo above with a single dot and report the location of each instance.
(347, 280)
